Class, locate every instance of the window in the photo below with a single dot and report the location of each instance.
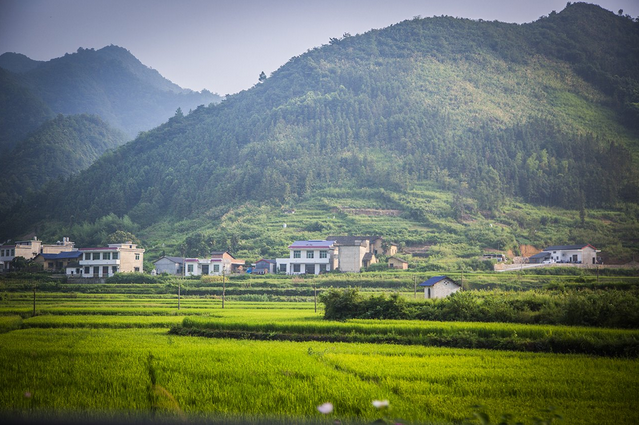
(13, 252)
(282, 268)
(106, 255)
(115, 255)
(114, 269)
(296, 268)
(96, 256)
(309, 269)
(137, 269)
(310, 254)
(189, 268)
(297, 254)
(105, 271)
(87, 256)
(50, 265)
(87, 270)
(323, 254)
(137, 257)
(322, 268)
(216, 268)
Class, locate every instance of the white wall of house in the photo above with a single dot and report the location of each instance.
(207, 267)
(587, 255)
(441, 289)
(115, 258)
(306, 261)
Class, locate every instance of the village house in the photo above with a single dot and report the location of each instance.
(353, 253)
(170, 265)
(106, 261)
(220, 263)
(398, 263)
(30, 249)
(568, 254)
(439, 287)
(265, 266)
(53, 262)
(308, 257)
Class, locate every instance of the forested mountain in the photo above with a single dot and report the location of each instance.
(20, 111)
(543, 112)
(109, 82)
(57, 149)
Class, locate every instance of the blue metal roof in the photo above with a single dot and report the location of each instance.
(63, 255)
(432, 280)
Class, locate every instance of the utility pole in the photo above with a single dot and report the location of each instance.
(462, 279)
(34, 300)
(179, 291)
(315, 295)
(414, 287)
(597, 275)
(223, 285)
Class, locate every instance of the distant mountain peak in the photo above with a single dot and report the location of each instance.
(17, 62)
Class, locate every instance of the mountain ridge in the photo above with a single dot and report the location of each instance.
(479, 109)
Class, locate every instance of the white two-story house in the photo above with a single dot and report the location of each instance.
(106, 261)
(308, 257)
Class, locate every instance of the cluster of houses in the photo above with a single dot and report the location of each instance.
(98, 262)
(348, 254)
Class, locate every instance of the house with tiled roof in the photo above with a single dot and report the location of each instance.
(57, 262)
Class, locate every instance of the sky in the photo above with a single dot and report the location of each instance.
(223, 45)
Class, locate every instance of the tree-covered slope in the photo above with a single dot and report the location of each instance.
(20, 111)
(490, 111)
(59, 148)
(113, 84)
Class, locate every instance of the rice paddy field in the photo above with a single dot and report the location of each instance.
(110, 358)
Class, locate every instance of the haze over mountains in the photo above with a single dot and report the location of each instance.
(545, 113)
(109, 82)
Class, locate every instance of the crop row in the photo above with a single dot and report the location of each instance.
(127, 372)
(559, 339)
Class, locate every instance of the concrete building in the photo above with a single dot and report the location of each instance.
(171, 265)
(106, 261)
(308, 257)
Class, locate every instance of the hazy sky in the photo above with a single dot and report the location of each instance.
(223, 45)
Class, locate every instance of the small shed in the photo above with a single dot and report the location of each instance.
(396, 262)
(439, 287)
(264, 266)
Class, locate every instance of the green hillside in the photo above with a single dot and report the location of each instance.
(57, 149)
(454, 123)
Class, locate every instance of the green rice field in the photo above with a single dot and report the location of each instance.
(109, 358)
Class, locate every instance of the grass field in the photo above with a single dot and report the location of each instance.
(109, 358)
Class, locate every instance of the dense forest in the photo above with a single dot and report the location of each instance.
(59, 148)
(544, 112)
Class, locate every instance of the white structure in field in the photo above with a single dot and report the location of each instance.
(439, 287)
(106, 261)
(308, 257)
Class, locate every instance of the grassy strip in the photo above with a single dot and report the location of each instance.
(102, 321)
(594, 341)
